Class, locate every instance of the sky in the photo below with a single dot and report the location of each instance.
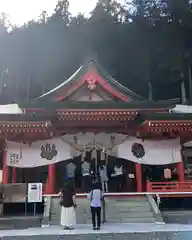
(20, 11)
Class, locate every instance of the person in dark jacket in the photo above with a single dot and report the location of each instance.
(68, 204)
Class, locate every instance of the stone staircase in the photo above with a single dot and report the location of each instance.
(118, 210)
(129, 210)
(83, 215)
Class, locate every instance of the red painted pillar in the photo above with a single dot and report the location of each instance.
(50, 186)
(5, 168)
(181, 171)
(13, 175)
(138, 177)
(148, 186)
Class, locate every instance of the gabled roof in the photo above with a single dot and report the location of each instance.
(91, 71)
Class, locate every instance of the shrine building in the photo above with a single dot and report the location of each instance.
(92, 118)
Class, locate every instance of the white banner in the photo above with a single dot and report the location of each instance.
(92, 141)
(151, 152)
(38, 153)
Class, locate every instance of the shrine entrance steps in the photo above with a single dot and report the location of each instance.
(117, 210)
(129, 210)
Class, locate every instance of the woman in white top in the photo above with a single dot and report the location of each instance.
(95, 197)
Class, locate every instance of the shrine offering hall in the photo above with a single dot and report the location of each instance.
(90, 128)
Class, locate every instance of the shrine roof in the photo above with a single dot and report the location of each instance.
(116, 83)
(87, 68)
(103, 105)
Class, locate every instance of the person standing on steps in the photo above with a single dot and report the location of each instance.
(68, 205)
(104, 178)
(70, 171)
(95, 198)
(118, 176)
(86, 175)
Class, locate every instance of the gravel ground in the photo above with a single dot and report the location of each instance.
(108, 232)
(121, 236)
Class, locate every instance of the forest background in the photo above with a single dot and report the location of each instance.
(145, 45)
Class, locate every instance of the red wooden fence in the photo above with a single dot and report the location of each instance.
(169, 186)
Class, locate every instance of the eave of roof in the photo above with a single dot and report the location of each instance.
(163, 117)
(104, 105)
(27, 117)
(79, 73)
(165, 122)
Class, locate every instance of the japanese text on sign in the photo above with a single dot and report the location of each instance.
(35, 192)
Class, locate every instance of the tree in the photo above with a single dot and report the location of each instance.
(148, 45)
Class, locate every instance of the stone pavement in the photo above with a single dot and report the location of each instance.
(108, 231)
(182, 217)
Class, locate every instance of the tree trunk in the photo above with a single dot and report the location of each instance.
(190, 85)
(183, 92)
(150, 91)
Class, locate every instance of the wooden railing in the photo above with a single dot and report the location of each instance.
(171, 186)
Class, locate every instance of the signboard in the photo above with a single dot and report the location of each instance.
(35, 192)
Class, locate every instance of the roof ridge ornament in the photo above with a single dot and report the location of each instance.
(91, 83)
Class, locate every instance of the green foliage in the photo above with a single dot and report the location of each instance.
(145, 44)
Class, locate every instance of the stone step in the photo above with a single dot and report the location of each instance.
(129, 210)
(124, 199)
(132, 220)
(133, 214)
(78, 221)
(128, 204)
(77, 213)
(137, 208)
(113, 213)
(138, 220)
(119, 210)
(127, 201)
(139, 198)
(122, 205)
(110, 210)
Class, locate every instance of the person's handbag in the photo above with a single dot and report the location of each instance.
(61, 199)
(61, 202)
